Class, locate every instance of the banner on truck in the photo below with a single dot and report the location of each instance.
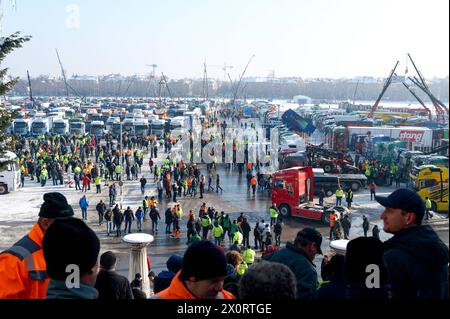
(411, 136)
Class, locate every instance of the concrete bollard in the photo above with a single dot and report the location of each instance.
(138, 259)
(339, 246)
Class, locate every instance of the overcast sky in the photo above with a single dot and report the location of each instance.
(307, 38)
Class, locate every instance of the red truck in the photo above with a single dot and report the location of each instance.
(293, 193)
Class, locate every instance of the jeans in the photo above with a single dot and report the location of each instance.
(109, 227)
(168, 228)
(84, 213)
(139, 224)
(145, 213)
(128, 224)
(154, 225)
(217, 241)
(142, 189)
(119, 230)
(372, 194)
(100, 218)
(246, 240)
(111, 200)
(338, 201)
(99, 190)
(277, 239)
(205, 232)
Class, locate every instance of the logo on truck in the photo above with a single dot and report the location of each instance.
(411, 136)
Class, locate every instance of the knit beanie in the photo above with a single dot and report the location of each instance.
(55, 206)
(67, 242)
(203, 260)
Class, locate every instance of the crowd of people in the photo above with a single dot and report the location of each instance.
(412, 264)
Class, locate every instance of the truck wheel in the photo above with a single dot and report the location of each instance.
(329, 193)
(285, 211)
(327, 168)
(326, 218)
(355, 186)
(3, 189)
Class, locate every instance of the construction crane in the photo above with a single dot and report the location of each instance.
(224, 67)
(438, 105)
(163, 82)
(205, 81)
(240, 78)
(419, 99)
(153, 66)
(129, 85)
(29, 88)
(385, 87)
(63, 73)
(68, 86)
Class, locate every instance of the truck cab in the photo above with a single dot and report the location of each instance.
(60, 126)
(9, 173)
(39, 126)
(21, 127)
(77, 128)
(432, 182)
(292, 187)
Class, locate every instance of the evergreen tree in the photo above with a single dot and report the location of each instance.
(7, 45)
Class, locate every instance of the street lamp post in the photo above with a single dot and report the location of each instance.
(121, 166)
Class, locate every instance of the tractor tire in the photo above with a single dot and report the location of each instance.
(327, 168)
(3, 189)
(355, 186)
(285, 211)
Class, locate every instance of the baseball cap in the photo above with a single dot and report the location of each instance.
(312, 235)
(405, 199)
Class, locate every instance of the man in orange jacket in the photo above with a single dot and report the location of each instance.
(201, 276)
(23, 271)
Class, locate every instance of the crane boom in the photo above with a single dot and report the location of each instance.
(29, 87)
(439, 111)
(63, 73)
(424, 84)
(419, 99)
(385, 87)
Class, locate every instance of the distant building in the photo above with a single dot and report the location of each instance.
(302, 99)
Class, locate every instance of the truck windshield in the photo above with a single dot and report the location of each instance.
(38, 125)
(59, 125)
(21, 124)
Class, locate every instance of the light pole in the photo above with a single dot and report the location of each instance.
(121, 166)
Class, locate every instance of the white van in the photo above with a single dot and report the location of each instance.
(9, 174)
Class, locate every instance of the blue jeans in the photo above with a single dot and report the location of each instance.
(168, 228)
(154, 224)
(217, 240)
(108, 227)
(338, 201)
(84, 213)
(119, 230)
(139, 224)
(127, 224)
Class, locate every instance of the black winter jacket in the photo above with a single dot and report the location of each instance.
(417, 264)
(111, 285)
